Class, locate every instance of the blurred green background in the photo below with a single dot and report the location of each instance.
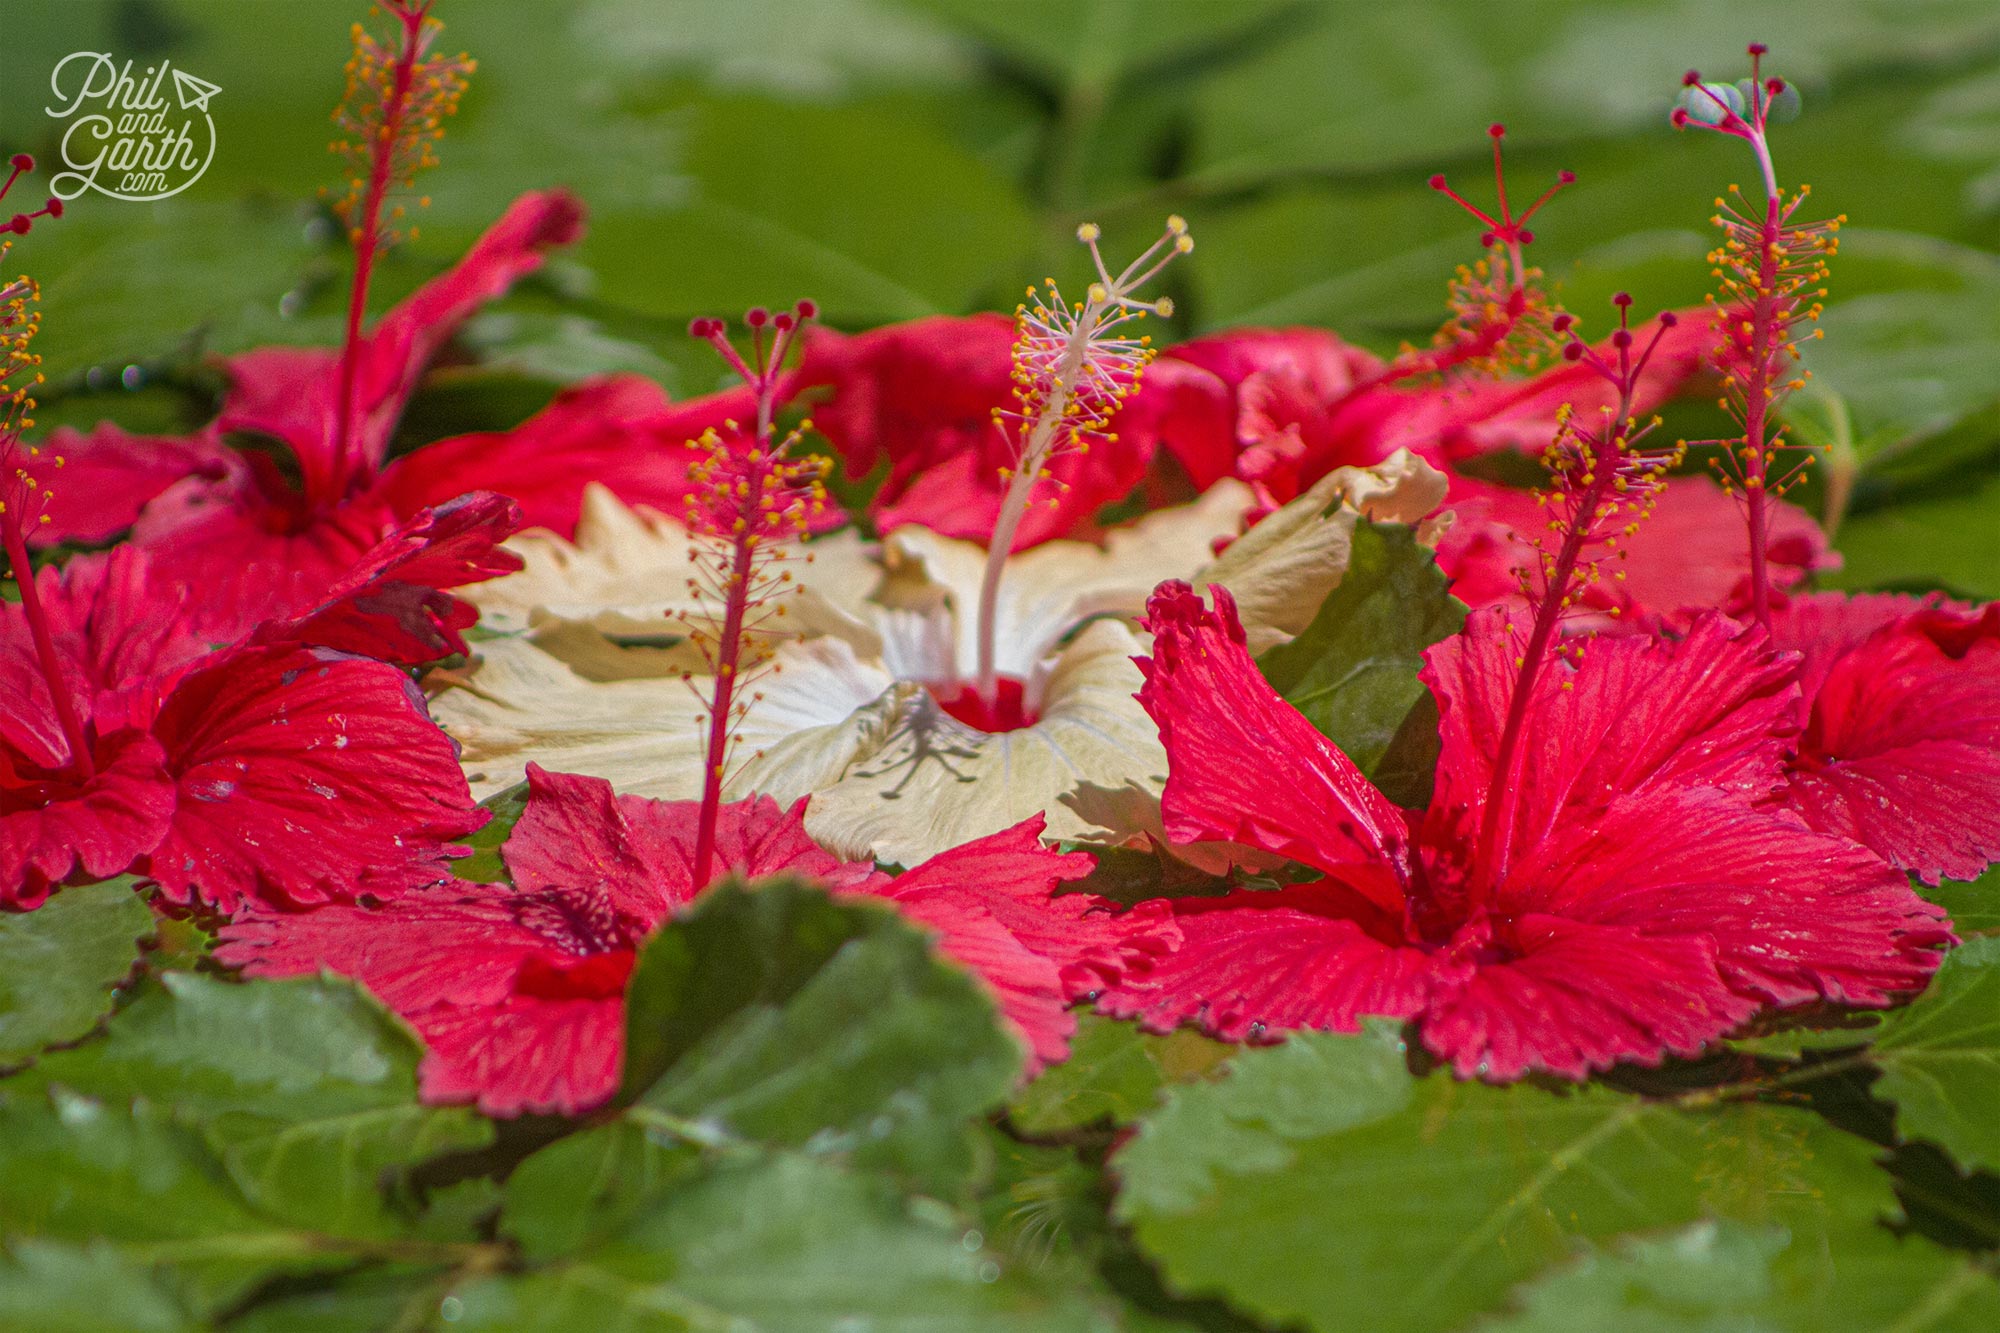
(893, 158)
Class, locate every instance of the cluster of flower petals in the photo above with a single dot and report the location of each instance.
(1600, 940)
(518, 991)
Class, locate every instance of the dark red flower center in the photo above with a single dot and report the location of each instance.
(1007, 711)
(598, 977)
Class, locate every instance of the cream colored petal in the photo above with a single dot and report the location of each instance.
(1047, 590)
(937, 783)
(627, 574)
(1130, 816)
(645, 732)
(1283, 568)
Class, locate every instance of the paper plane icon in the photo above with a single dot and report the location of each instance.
(194, 93)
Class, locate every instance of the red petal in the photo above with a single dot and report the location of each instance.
(54, 828)
(620, 432)
(451, 962)
(577, 834)
(561, 1057)
(1459, 420)
(1281, 392)
(117, 652)
(1245, 767)
(1794, 915)
(1582, 997)
(458, 944)
(390, 604)
(1902, 753)
(254, 559)
(108, 476)
(1254, 963)
(305, 775)
(292, 393)
(1692, 555)
(921, 396)
(1711, 710)
(1012, 877)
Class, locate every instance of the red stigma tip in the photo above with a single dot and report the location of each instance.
(1437, 181)
(1622, 300)
(701, 327)
(807, 309)
(21, 162)
(1622, 339)
(1668, 319)
(756, 317)
(1487, 240)
(1758, 48)
(782, 323)
(19, 224)
(1566, 177)
(1691, 78)
(1526, 237)
(1561, 323)
(54, 208)
(1774, 86)
(1573, 352)
(1496, 129)
(1679, 118)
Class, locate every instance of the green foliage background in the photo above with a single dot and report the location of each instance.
(893, 158)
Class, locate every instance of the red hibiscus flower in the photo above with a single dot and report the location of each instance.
(283, 770)
(519, 992)
(1299, 403)
(1648, 904)
(918, 398)
(1901, 750)
(1688, 557)
(264, 539)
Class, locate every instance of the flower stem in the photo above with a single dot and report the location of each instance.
(367, 238)
(1020, 486)
(729, 652)
(1502, 791)
(45, 646)
(1764, 315)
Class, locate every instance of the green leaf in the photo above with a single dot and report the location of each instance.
(55, 1288)
(1694, 1280)
(59, 963)
(1974, 905)
(1353, 671)
(1424, 1202)
(72, 1169)
(780, 1015)
(485, 865)
(779, 1242)
(1940, 1058)
(1114, 1072)
(1943, 538)
(305, 1089)
(1725, 1277)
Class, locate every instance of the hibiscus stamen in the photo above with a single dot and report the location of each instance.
(25, 493)
(750, 505)
(1500, 317)
(1073, 365)
(1603, 482)
(19, 165)
(1771, 269)
(392, 114)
